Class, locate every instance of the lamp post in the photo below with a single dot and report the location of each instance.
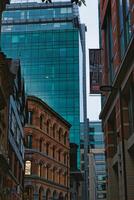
(109, 88)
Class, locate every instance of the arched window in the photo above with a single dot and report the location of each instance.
(41, 121)
(30, 117)
(65, 176)
(40, 194)
(60, 176)
(54, 130)
(47, 148)
(65, 158)
(47, 172)
(60, 134)
(48, 127)
(28, 141)
(27, 167)
(59, 155)
(40, 145)
(48, 195)
(53, 151)
(39, 169)
(53, 174)
(65, 137)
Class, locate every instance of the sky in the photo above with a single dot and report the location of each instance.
(89, 16)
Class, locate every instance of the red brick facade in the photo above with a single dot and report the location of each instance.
(118, 104)
(5, 91)
(11, 169)
(46, 154)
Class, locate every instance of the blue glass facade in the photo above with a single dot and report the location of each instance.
(96, 136)
(96, 161)
(96, 142)
(46, 39)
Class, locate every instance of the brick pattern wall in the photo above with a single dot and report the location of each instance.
(120, 163)
(49, 152)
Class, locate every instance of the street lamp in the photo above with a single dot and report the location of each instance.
(110, 88)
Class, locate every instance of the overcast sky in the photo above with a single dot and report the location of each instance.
(89, 16)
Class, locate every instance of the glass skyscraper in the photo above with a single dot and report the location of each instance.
(49, 41)
(97, 163)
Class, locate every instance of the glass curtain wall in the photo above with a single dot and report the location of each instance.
(46, 41)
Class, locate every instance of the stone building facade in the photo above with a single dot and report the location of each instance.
(117, 42)
(12, 104)
(47, 153)
(5, 91)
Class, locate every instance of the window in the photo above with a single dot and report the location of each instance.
(127, 21)
(109, 44)
(41, 122)
(30, 117)
(60, 134)
(101, 177)
(100, 167)
(59, 176)
(59, 155)
(53, 152)
(65, 176)
(131, 110)
(82, 167)
(40, 145)
(122, 45)
(92, 129)
(54, 130)
(101, 186)
(28, 167)
(82, 156)
(99, 157)
(47, 172)
(47, 149)
(54, 174)
(113, 136)
(65, 158)
(39, 169)
(29, 141)
(125, 24)
(65, 138)
(101, 195)
(48, 127)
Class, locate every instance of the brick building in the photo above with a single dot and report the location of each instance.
(12, 101)
(47, 153)
(117, 42)
(5, 90)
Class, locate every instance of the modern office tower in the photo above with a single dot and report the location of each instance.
(12, 101)
(117, 42)
(47, 167)
(96, 161)
(49, 41)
